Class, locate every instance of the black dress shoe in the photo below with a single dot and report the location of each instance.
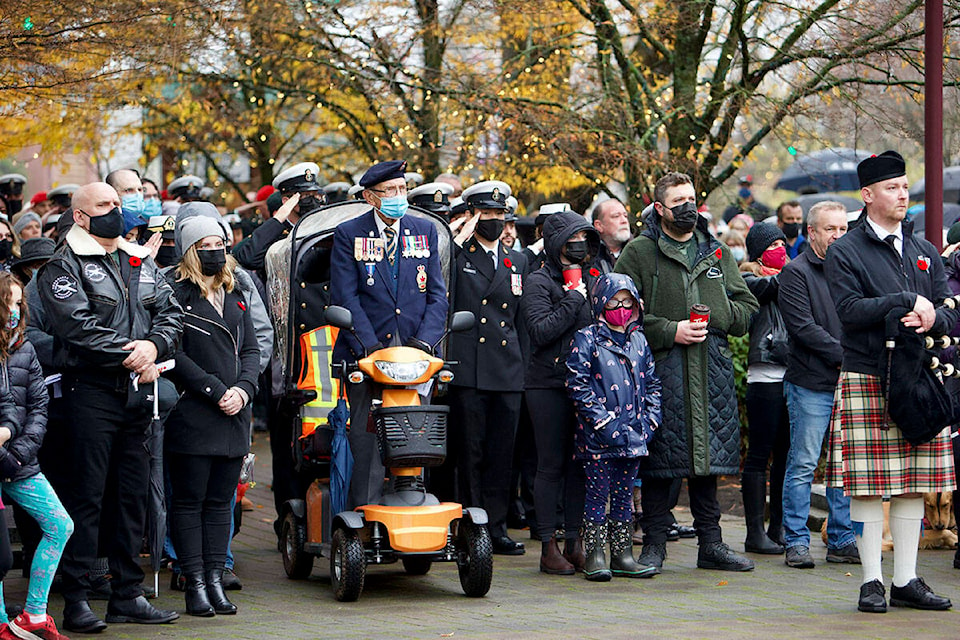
(686, 532)
(139, 611)
(717, 555)
(918, 595)
(505, 546)
(78, 617)
(873, 597)
(230, 581)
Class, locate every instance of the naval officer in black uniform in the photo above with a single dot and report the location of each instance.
(488, 381)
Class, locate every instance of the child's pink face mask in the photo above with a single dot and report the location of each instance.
(618, 317)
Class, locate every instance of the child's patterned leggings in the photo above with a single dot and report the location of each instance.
(611, 477)
(35, 496)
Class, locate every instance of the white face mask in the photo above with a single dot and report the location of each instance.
(738, 253)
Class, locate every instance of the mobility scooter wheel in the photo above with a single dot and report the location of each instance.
(348, 565)
(297, 563)
(474, 559)
(416, 565)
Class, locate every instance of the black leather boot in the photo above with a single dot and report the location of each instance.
(195, 593)
(775, 528)
(622, 562)
(754, 487)
(218, 599)
(595, 567)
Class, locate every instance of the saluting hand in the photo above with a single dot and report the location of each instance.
(467, 230)
(287, 208)
(153, 244)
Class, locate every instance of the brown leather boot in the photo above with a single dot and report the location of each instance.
(573, 552)
(552, 561)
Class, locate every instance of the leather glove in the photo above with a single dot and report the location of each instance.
(9, 465)
(417, 343)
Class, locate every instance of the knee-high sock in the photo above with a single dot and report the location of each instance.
(867, 516)
(906, 518)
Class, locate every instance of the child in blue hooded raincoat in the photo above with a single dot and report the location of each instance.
(612, 383)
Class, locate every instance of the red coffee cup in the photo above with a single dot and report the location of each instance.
(699, 313)
(572, 277)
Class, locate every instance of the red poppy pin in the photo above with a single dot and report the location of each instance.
(719, 253)
(594, 272)
(507, 263)
(923, 263)
(134, 261)
(242, 306)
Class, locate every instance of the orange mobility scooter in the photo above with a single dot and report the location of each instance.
(408, 525)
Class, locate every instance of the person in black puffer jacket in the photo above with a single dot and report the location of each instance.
(553, 312)
(22, 385)
(207, 433)
(767, 417)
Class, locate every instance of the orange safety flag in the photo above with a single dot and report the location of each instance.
(316, 354)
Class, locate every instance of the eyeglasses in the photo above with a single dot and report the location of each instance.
(391, 192)
(617, 304)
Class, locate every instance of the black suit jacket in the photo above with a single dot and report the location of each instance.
(491, 354)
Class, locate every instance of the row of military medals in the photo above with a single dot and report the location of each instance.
(370, 251)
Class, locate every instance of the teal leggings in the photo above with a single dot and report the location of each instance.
(35, 496)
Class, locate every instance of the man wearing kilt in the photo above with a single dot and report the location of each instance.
(877, 267)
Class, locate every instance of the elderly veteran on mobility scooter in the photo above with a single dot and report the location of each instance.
(386, 270)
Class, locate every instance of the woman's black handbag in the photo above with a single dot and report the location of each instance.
(916, 399)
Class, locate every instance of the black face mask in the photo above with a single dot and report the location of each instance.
(684, 217)
(6, 249)
(490, 229)
(309, 204)
(575, 251)
(107, 226)
(791, 229)
(166, 256)
(211, 261)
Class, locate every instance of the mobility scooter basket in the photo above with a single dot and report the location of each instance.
(412, 436)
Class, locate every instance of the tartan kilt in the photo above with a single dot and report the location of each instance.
(866, 460)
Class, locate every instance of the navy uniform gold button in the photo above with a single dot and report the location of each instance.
(303, 305)
(398, 311)
(503, 323)
(503, 343)
(484, 301)
(504, 305)
(389, 336)
(483, 321)
(303, 285)
(482, 340)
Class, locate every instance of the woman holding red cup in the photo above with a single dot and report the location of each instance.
(554, 307)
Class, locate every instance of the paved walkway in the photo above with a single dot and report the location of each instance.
(771, 602)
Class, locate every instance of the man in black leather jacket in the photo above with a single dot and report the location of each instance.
(113, 317)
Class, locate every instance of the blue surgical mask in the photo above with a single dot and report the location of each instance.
(14, 320)
(738, 253)
(152, 207)
(132, 203)
(393, 207)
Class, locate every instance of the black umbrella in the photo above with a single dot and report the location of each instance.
(832, 169)
(160, 398)
(951, 186)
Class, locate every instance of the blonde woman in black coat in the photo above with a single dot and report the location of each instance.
(207, 434)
